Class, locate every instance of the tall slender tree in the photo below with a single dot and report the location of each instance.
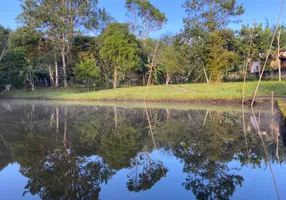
(145, 18)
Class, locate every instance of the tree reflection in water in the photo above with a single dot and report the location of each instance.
(146, 172)
(69, 152)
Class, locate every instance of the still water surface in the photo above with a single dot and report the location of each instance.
(58, 151)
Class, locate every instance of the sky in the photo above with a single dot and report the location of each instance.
(255, 11)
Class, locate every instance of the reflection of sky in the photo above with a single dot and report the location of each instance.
(12, 184)
(258, 183)
(167, 188)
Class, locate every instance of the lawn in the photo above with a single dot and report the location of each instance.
(182, 92)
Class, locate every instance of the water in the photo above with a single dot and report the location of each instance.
(75, 151)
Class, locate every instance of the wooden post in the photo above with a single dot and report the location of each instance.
(278, 54)
(268, 53)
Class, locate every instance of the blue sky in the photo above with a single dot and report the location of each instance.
(256, 10)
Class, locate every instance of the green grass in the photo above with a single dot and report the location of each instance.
(282, 107)
(184, 92)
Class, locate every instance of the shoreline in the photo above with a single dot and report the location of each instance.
(234, 106)
(224, 93)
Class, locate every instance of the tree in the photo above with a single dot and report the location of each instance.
(211, 15)
(145, 18)
(121, 49)
(219, 59)
(173, 62)
(204, 24)
(87, 70)
(4, 42)
(29, 41)
(60, 20)
(147, 172)
(4, 48)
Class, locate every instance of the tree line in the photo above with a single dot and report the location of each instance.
(75, 42)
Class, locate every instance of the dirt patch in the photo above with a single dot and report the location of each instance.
(184, 89)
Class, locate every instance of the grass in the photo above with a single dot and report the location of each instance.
(184, 92)
(282, 107)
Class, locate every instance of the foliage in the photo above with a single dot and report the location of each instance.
(210, 15)
(121, 49)
(29, 42)
(145, 18)
(173, 61)
(219, 59)
(205, 28)
(87, 70)
(61, 21)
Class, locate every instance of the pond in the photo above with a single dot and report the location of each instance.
(55, 150)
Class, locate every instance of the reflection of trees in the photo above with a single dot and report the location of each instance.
(205, 142)
(55, 169)
(62, 174)
(205, 148)
(117, 148)
(212, 180)
(146, 172)
(114, 135)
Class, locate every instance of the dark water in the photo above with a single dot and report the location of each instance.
(56, 151)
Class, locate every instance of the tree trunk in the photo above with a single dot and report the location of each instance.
(168, 78)
(88, 85)
(31, 80)
(64, 68)
(205, 72)
(278, 54)
(63, 52)
(106, 79)
(150, 76)
(143, 78)
(115, 76)
(51, 75)
(56, 74)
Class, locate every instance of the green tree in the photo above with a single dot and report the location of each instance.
(87, 70)
(61, 21)
(120, 49)
(4, 41)
(173, 61)
(219, 59)
(211, 15)
(4, 49)
(29, 41)
(204, 24)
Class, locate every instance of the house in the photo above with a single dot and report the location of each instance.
(255, 67)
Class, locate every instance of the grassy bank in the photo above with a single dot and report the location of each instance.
(184, 92)
(282, 107)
